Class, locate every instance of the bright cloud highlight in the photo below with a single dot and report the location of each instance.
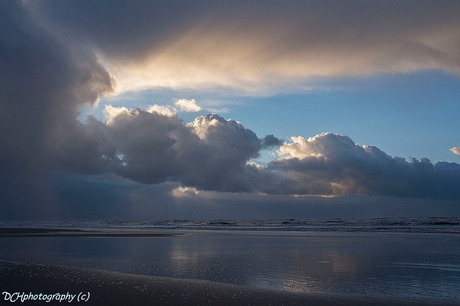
(455, 150)
(188, 105)
(161, 110)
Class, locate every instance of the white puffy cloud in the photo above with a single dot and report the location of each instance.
(204, 125)
(455, 150)
(188, 105)
(111, 112)
(161, 110)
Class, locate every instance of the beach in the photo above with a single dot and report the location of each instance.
(120, 265)
(112, 288)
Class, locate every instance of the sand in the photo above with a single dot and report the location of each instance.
(47, 232)
(112, 288)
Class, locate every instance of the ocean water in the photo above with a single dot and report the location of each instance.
(415, 258)
(402, 224)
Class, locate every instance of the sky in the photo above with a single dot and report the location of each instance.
(147, 110)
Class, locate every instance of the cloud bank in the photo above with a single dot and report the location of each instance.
(213, 154)
(332, 164)
(255, 47)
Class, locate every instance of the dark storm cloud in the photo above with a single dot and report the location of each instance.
(121, 28)
(251, 45)
(42, 83)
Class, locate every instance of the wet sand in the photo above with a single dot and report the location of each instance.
(113, 288)
(49, 232)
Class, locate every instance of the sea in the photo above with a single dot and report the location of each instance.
(410, 258)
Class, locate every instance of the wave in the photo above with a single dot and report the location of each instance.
(400, 224)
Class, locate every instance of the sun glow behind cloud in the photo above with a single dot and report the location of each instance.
(261, 56)
(258, 49)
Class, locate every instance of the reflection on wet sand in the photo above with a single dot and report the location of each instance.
(371, 264)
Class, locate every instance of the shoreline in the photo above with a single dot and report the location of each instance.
(114, 288)
(21, 232)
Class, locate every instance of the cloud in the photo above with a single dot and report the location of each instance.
(46, 77)
(218, 159)
(181, 192)
(110, 112)
(456, 151)
(271, 141)
(332, 164)
(161, 110)
(213, 154)
(43, 81)
(253, 47)
(209, 153)
(139, 145)
(188, 105)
